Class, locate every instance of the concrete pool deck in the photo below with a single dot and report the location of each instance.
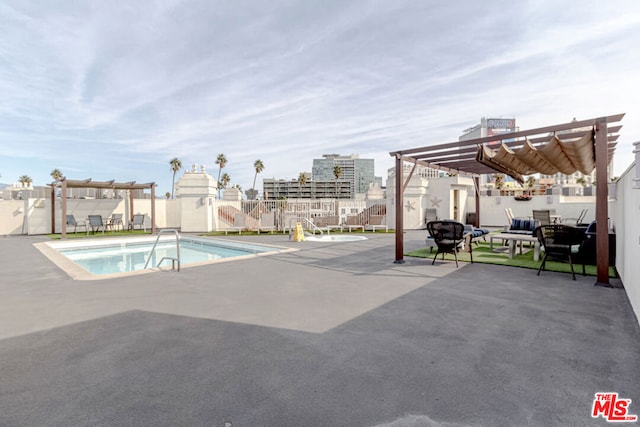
(333, 334)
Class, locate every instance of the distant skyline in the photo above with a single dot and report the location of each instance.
(115, 90)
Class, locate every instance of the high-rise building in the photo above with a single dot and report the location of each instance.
(489, 127)
(359, 172)
(276, 189)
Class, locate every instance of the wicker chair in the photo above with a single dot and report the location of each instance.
(561, 242)
(449, 237)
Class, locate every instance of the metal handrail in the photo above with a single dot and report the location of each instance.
(174, 260)
(310, 223)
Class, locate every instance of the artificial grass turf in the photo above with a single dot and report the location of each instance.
(481, 254)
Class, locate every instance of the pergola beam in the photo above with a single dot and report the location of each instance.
(88, 183)
(511, 135)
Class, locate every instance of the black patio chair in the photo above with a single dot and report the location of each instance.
(560, 242)
(449, 237)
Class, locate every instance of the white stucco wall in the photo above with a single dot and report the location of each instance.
(625, 212)
(197, 195)
(492, 208)
(12, 216)
(415, 201)
(173, 211)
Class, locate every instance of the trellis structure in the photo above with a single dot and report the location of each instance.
(582, 144)
(111, 185)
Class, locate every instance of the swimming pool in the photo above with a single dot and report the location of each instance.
(102, 259)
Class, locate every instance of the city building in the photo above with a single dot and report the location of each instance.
(358, 172)
(278, 189)
(489, 127)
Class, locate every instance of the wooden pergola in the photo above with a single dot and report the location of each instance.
(461, 157)
(111, 185)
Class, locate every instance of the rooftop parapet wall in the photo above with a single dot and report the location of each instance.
(12, 216)
(625, 211)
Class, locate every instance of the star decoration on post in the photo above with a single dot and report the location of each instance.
(435, 202)
(410, 205)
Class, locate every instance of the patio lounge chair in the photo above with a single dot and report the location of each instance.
(542, 216)
(476, 233)
(267, 222)
(577, 220)
(71, 222)
(95, 222)
(353, 221)
(561, 242)
(239, 223)
(115, 221)
(332, 222)
(449, 237)
(138, 220)
(509, 213)
(375, 222)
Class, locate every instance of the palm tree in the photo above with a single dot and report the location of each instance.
(176, 165)
(337, 172)
(25, 180)
(259, 167)
(499, 180)
(57, 176)
(225, 180)
(221, 161)
(531, 182)
(302, 180)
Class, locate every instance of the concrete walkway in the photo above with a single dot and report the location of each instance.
(334, 334)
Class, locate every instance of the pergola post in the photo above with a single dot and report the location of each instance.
(399, 216)
(63, 219)
(476, 181)
(602, 208)
(153, 208)
(53, 208)
(130, 192)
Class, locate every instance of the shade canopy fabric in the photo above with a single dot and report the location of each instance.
(567, 157)
(460, 157)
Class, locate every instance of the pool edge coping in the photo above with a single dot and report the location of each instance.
(76, 272)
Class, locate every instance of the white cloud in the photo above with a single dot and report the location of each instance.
(116, 91)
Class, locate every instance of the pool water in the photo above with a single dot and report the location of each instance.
(126, 257)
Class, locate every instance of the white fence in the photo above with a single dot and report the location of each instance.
(33, 216)
(287, 212)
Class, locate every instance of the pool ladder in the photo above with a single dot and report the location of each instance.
(175, 259)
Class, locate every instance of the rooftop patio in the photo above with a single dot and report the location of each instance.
(334, 334)
(580, 145)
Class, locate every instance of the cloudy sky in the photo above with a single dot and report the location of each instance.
(115, 90)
